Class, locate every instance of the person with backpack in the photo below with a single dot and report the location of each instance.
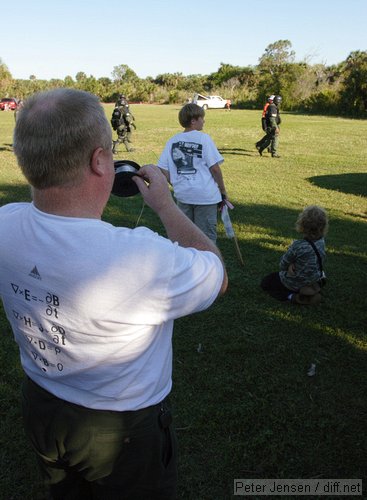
(263, 116)
(122, 121)
(272, 121)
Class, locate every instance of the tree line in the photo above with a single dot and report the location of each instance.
(340, 89)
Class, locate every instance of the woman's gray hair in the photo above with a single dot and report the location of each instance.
(55, 135)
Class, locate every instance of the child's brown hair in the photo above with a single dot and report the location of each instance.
(190, 112)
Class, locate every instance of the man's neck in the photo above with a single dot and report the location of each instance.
(67, 202)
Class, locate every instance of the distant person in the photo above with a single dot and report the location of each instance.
(263, 116)
(301, 274)
(18, 108)
(92, 306)
(191, 162)
(272, 122)
(228, 104)
(121, 101)
(122, 122)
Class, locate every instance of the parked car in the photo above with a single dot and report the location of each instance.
(8, 103)
(209, 101)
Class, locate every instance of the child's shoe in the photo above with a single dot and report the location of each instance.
(306, 300)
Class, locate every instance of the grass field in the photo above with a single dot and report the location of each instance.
(244, 405)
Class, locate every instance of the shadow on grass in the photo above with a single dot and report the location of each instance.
(264, 232)
(273, 227)
(7, 147)
(346, 244)
(243, 403)
(246, 407)
(236, 151)
(247, 386)
(347, 183)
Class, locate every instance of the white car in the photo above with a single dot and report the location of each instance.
(209, 101)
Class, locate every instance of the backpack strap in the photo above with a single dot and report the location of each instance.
(317, 254)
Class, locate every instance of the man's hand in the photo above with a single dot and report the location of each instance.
(154, 188)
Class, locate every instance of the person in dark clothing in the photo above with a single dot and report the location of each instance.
(263, 116)
(18, 108)
(272, 120)
(122, 121)
(121, 101)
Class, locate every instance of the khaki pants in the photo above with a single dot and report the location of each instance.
(203, 216)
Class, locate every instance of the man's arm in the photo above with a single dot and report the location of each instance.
(288, 258)
(273, 124)
(178, 227)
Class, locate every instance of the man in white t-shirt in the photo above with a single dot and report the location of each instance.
(191, 162)
(92, 306)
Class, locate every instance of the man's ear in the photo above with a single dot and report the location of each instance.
(97, 164)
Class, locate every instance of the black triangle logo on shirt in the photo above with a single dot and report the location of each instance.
(35, 274)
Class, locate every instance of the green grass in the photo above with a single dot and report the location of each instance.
(244, 405)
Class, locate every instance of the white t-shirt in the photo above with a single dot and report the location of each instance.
(92, 305)
(188, 157)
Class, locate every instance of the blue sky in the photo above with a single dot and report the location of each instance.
(56, 38)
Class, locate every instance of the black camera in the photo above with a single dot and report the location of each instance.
(123, 184)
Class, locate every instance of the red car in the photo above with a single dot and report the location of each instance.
(8, 103)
